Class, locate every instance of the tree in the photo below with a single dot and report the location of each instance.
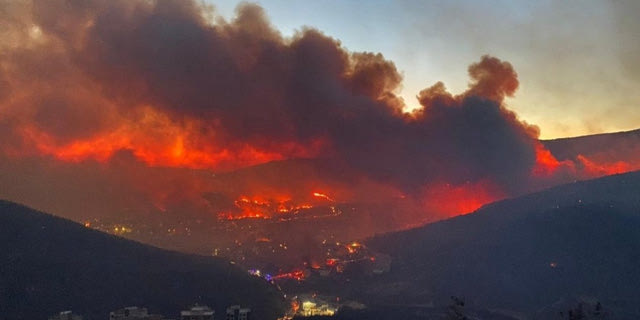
(456, 309)
(588, 312)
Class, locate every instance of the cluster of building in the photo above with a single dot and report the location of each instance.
(134, 313)
(352, 259)
(312, 308)
(342, 260)
(196, 312)
(311, 305)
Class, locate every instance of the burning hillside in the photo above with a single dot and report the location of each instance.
(282, 208)
(161, 108)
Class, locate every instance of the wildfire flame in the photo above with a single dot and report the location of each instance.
(260, 207)
(323, 196)
(157, 140)
(236, 93)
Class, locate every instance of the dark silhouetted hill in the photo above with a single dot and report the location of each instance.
(49, 264)
(526, 254)
(617, 146)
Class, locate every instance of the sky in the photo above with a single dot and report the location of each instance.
(576, 60)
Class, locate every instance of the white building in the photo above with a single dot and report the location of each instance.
(197, 313)
(66, 315)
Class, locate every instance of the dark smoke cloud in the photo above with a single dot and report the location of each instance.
(457, 139)
(76, 70)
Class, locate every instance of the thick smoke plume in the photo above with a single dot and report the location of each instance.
(170, 84)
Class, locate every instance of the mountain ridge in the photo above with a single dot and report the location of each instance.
(53, 264)
(525, 254)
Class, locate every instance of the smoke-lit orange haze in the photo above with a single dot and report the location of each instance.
(138, 93)
(158, 141)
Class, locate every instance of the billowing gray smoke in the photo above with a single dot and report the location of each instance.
(87, 80)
